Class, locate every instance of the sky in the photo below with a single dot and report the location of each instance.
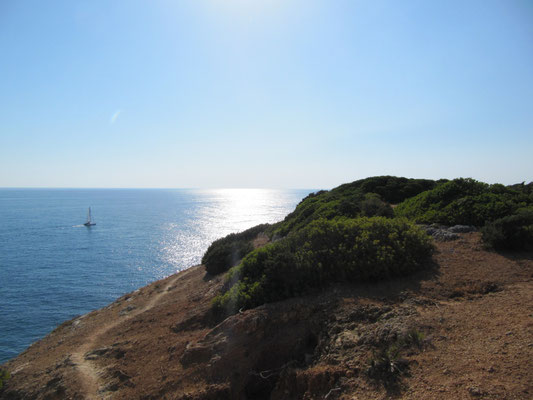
(263, 94)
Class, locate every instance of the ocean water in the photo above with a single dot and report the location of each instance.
(52, 268)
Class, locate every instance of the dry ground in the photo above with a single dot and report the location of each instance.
(472, 311)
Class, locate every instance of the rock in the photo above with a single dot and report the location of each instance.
(196, 354)
(107, 351)
(66, 362)
(475, 391)
(367, 313)
(55, 389)
(121, 376)
(53, 382)
(189, 323)
(443, 235)
(94, 354)
(112, 387)
(461, 229)
(440, 234)
(126, 310)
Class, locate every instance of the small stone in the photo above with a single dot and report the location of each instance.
(475, 391)
(126, 310)
(462, 228)
(94, 354)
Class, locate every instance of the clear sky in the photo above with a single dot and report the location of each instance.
(279, 93)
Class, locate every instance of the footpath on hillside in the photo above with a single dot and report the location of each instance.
(469, 319)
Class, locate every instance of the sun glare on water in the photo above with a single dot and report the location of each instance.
(225, 211)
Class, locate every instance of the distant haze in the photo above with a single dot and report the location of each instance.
(278, 93)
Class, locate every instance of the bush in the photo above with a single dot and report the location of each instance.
(514, 232)
(347, 200)
(226, 252)
(373, 206)
(4, 376)
(394, 189)
(387, 364)
(463, 202)
(523, 188)
(354, 250)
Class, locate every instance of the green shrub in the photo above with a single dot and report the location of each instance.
(393, 189)
(463, 201)
(4, 376)
(226, 252)
(347, 200)
(386, 365)
(523, 188)
(373, 206)
(354, 250)
(514, 232)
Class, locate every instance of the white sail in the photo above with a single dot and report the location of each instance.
(89, 219)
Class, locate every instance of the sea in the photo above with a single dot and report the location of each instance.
(53, 268)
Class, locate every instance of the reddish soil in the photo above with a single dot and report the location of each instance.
(462, 329)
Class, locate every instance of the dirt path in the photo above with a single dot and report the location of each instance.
(87, 370)
(475, 312)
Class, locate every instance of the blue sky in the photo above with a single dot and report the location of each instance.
(241, 93)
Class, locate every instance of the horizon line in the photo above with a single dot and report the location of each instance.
(151, 188)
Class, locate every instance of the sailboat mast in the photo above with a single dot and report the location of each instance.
(89, 218)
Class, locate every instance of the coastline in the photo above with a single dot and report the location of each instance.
(158, 342)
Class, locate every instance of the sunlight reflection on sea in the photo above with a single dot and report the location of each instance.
(225, 211)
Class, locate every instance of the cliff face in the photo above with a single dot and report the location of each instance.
(462, 328)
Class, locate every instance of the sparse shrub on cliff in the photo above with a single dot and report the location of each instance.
(354, 250)
(464, 202)
(387, 364)
(514, 232)
(4, 376)
(226, 252)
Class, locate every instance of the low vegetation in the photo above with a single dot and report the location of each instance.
(353, 234)
(226, 252)
(514, 232)
(387, 364)
(352, 250)
(366, 197)
(4, 376)
(465, 202)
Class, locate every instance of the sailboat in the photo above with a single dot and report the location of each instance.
(89, 220)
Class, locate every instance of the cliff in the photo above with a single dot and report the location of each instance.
(461, 328)
(351, 299)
